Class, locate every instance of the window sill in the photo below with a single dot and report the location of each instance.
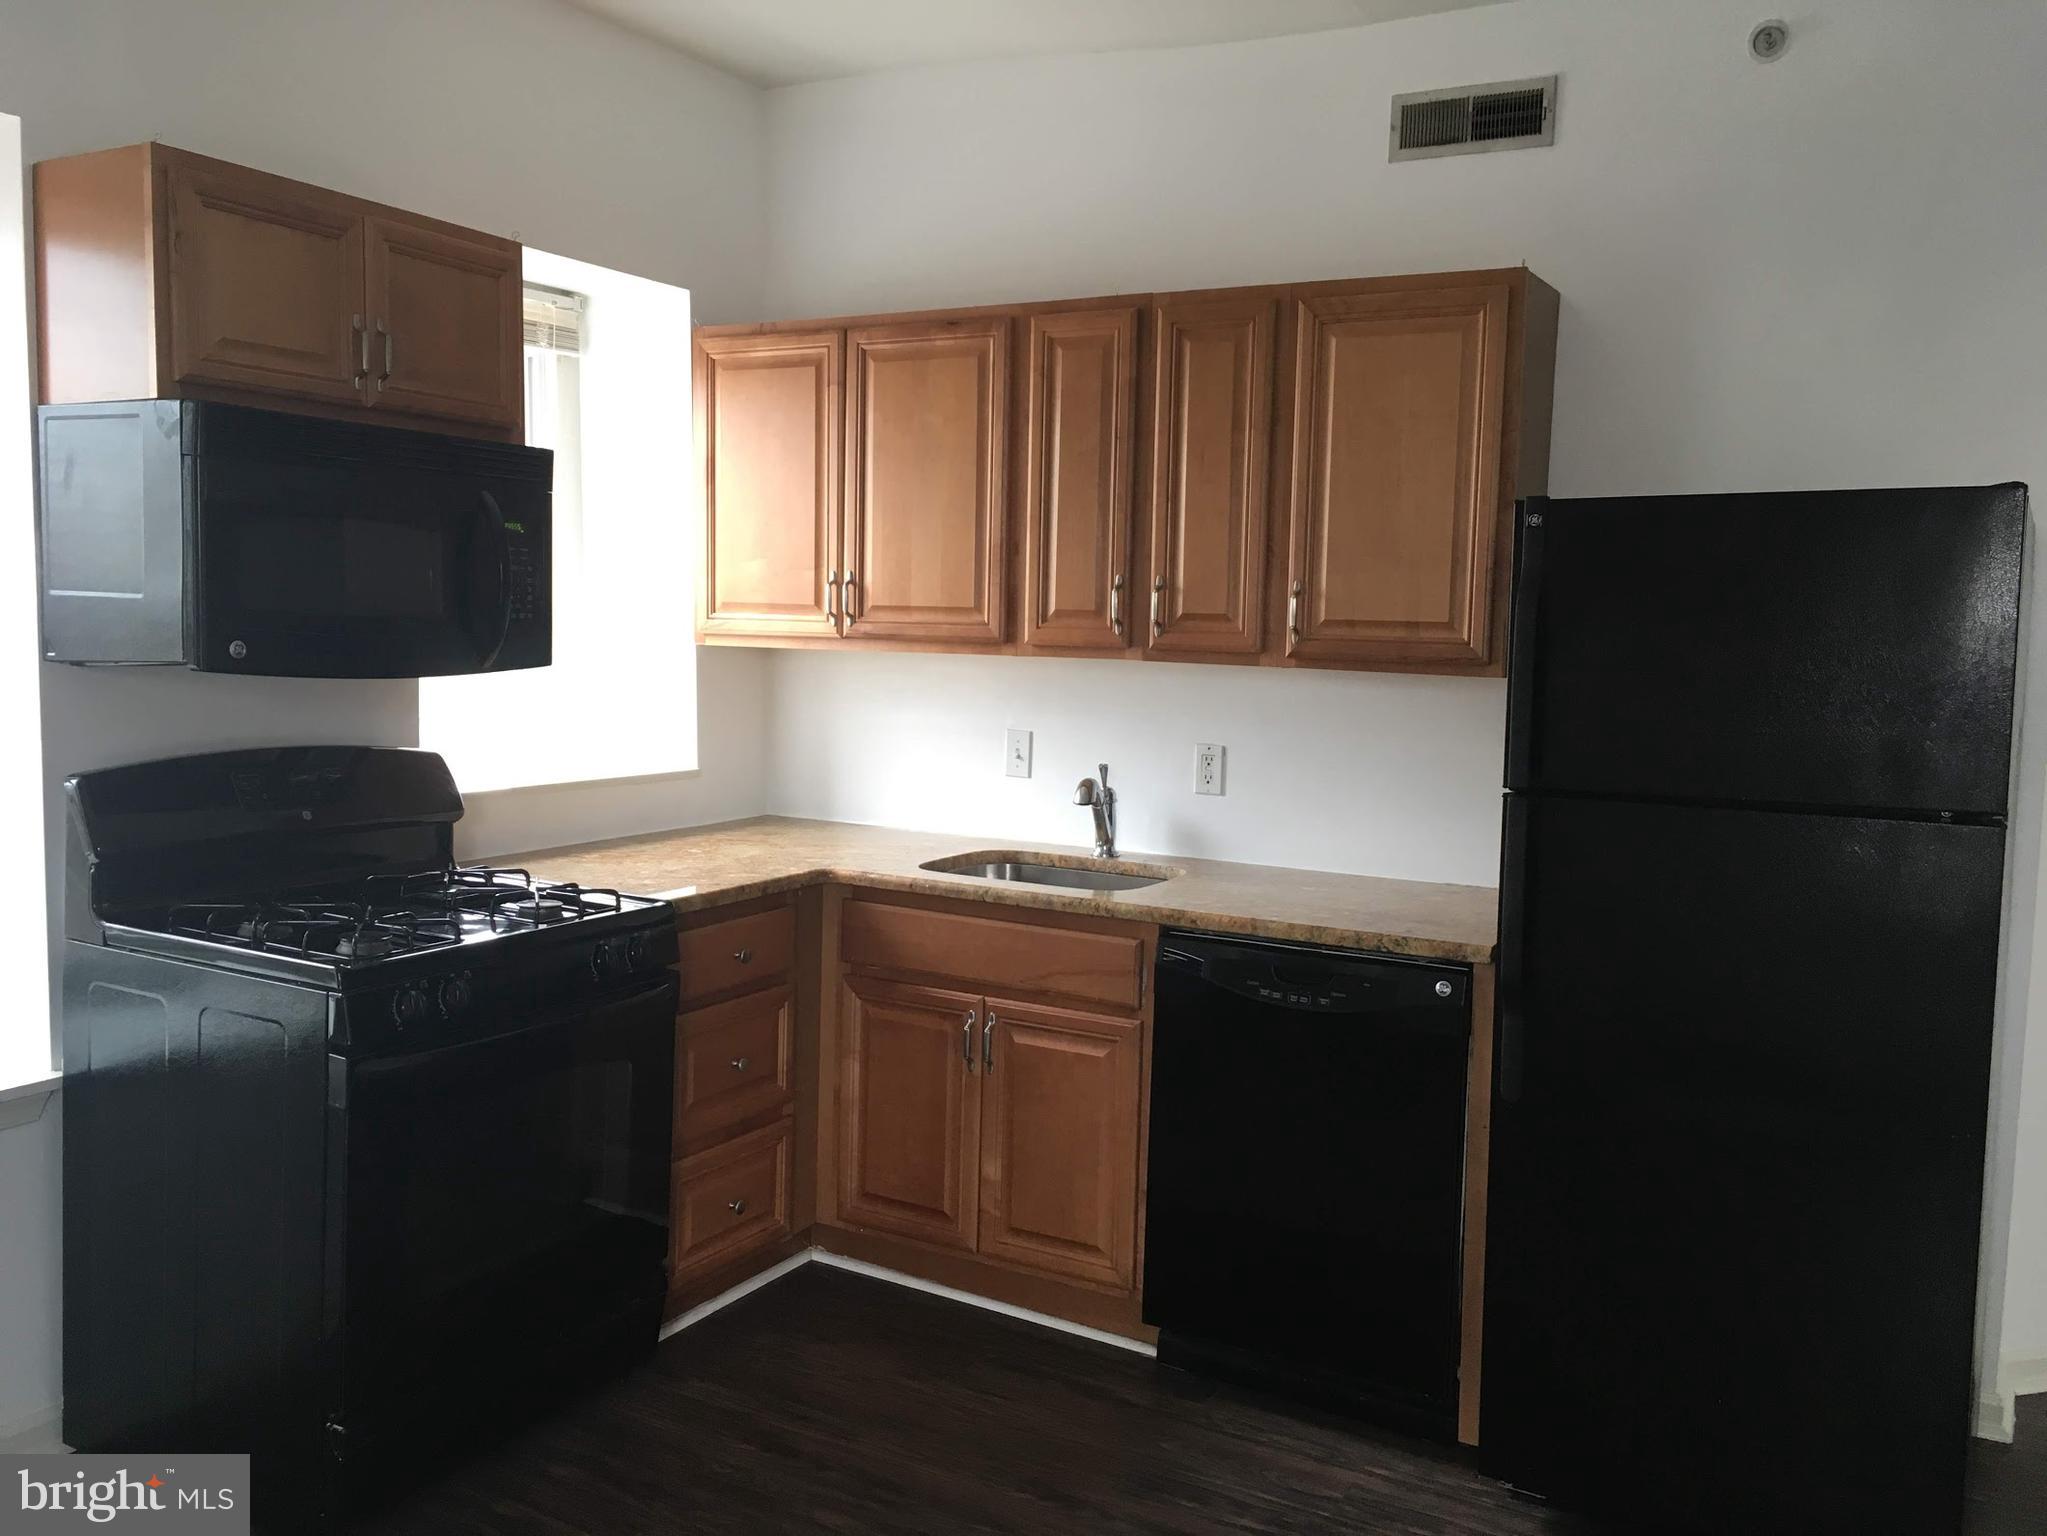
(579, 781)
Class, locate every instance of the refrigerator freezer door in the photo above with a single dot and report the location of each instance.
(1737, 1163)
(1849, 649)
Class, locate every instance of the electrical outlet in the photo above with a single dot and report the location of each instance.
(1016, 758)
(1208, 769)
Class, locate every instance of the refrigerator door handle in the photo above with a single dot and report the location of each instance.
(1521, 635)
(1509, 1027)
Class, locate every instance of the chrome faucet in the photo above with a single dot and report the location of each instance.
(1096, 794)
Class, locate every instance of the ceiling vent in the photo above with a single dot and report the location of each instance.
(1471, 119)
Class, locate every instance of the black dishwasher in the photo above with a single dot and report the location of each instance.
(1304, 1217)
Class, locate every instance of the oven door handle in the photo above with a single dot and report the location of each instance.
(587, 1025)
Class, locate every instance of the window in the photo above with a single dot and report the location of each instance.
(607, 389)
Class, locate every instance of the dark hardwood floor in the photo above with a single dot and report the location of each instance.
(831, 1402)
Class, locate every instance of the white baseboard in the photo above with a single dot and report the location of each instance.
(704, 1309)
(724, 1299)
(897, 1277)
(1995, 1417)
(2022, 1376)
(31, 1433)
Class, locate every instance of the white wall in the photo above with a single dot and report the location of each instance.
(523, 117)
(28, 1147)
(1820, 272)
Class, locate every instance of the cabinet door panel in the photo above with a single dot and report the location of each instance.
(926, 435)
(266, 285)
(1395, 474)
(445, 322)
(768, 433)
(1080, 381)
(1211, 420)
(1059, 1142)
(909, 1120)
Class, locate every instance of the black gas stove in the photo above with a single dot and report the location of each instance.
(360, 1144)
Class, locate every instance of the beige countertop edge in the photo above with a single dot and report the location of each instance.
(1419, 946)
(1213, 912)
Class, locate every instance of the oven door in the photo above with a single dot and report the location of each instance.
(506, 1207)
(365, 567)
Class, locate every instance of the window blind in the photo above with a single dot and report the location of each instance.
(554, 319)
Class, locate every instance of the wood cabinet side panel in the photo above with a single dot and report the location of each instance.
(96, 273)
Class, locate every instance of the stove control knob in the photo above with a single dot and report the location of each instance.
(609, 959)
(636, 951)
(455, 995)
(410, 1005)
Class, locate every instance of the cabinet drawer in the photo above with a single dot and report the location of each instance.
(997, 955)
(739, 952)
(729, 1199)
(731, 1062)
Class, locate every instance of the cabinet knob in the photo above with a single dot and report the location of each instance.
(741, 1063)
(743, 956)
(736, 1207)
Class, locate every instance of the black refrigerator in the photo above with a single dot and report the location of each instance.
(1758, 758)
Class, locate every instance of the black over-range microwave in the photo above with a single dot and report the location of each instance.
(227, 539)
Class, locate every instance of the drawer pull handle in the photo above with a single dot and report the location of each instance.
(736, 1207)
(741, 1063)
(743, 956)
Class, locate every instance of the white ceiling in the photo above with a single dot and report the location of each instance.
(782, 42)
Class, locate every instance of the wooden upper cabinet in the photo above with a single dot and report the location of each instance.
(1310, 474)
(266, 284)
(926, 455)
(1059, 1119)
(1394, 496)
(1080, 379)
(1211, 393)
(768, 439)
(909, 1122)
(445, 322)
(164, 274)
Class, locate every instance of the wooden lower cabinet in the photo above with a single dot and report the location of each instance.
(975, 1121)
(909, 1157)
(1059, 1110)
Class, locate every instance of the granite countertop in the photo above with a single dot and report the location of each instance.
(711, 866)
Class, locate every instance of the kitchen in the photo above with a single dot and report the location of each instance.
(1720, 262)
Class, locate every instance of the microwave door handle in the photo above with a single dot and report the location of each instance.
(491, 520)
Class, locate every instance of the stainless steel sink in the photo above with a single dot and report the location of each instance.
(1093, 876)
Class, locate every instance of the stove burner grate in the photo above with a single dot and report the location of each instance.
(387, 916)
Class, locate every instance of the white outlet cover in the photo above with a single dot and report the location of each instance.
(1208, 768)
(1016, 755)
